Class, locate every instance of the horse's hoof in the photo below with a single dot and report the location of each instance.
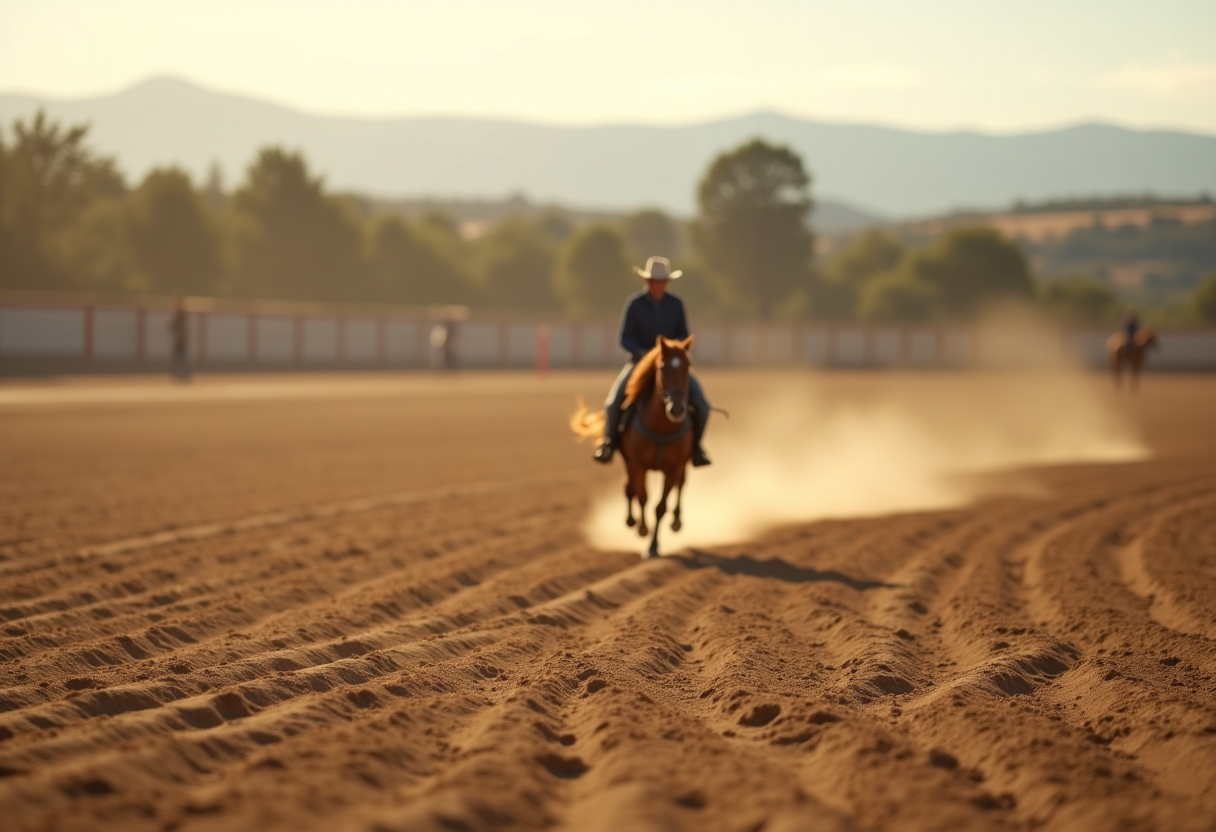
(676, 525)
(652, 552)
(630, 522)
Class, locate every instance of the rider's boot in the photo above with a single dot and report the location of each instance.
(612, 422)
(699, 421)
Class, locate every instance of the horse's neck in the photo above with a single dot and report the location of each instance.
(654, 413)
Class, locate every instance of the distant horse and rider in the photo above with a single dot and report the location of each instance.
(666, 407)
(1129, 347)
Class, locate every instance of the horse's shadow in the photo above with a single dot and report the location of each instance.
(774, 568)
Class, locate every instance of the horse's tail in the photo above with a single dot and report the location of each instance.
(585, 424)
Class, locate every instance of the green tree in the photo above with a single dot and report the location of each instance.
(1203, 302)
(970, 268)
(298, 242)
(594, 275)
(416, 264)
(515, 265)
(1079, 300)
(699, 293)
(898, 296)
(173, 241)
(869, 254)
(96, 253)
(650, 232)
(752, 227)
(555, 225)
(213, 189)
(838, 290)
(442, 231)
(50, 178)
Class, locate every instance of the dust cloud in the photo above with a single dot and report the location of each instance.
(805, 447)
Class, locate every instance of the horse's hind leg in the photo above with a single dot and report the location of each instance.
(629, 521)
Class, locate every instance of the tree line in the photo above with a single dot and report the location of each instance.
(70, 221)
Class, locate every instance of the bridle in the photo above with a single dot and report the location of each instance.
(670, 396)
(673, 396)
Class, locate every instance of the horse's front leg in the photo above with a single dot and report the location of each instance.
(629, 521)
(659, 510)
(637, 480)
(676, 522)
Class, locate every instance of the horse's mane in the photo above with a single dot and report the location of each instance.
(641, 381)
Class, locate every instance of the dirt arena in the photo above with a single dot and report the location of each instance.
(389, 603)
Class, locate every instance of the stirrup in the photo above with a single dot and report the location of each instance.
(604, 452)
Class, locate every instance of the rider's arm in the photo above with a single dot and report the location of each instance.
(631, 334)
(681, 329)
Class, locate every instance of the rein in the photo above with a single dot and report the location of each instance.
(660, 440)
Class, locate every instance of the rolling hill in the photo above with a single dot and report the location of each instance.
(861, 173)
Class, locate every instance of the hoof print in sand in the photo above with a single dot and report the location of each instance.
(94, 787)
(566, 768)
(889, 684)
(544, 620)
(363, 699)
(552, 736)
(992, 802)
(692, 800)
(795, 739)
(82, 683)
(760, 716)
(230, 706)
(943, 759)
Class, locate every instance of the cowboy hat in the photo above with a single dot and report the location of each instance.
(657, 268)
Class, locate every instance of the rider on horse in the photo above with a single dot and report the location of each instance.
(1131, 325)
(649, 314)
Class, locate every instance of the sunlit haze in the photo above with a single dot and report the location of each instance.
(933, 64)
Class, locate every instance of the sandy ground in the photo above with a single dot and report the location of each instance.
(382, 603)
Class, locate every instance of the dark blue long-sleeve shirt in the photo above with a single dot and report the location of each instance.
(645, 319)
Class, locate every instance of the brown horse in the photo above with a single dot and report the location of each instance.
(1120, 352)
(658, 436)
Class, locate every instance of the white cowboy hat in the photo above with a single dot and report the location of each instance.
(657, 268)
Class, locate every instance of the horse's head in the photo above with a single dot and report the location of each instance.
(671, 377)
(1147, 338)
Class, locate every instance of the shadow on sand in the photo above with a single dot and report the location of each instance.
(772, 568)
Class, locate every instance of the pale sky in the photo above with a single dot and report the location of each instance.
(923, 64)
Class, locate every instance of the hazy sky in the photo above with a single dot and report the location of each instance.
(931, 64)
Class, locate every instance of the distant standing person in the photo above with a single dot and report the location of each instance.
(179, 329)
(443, 346)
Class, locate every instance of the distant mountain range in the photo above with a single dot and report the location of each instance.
(889, 173)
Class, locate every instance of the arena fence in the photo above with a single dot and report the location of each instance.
(51, 334)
